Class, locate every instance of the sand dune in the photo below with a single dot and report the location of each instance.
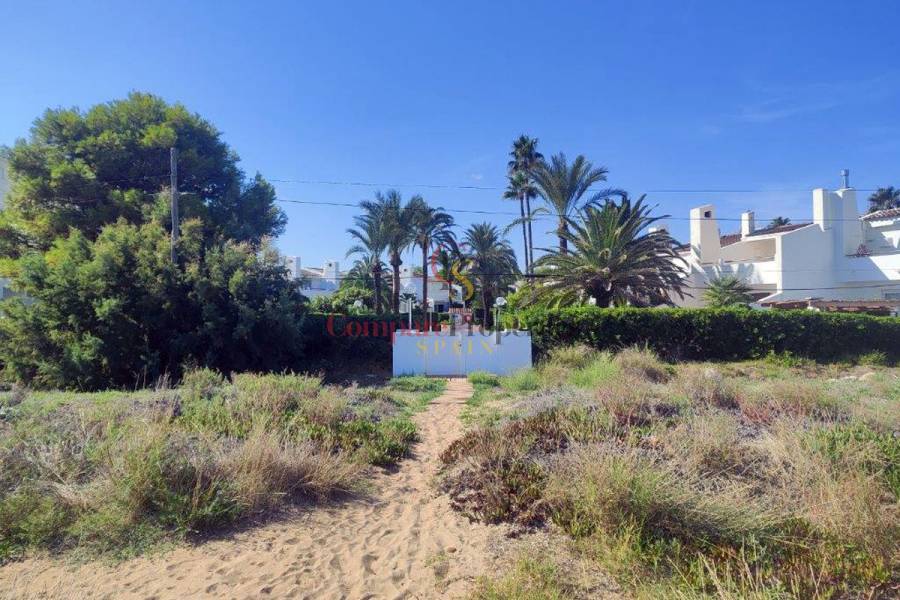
(403, 541)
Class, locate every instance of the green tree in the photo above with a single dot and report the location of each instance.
(563, 186)
(343, 301)
(451, 262)
(524, 160)
(372, 241)
(492, 263)
(85, 170)
(88, 245)
(778, 222)
(727, 290)
(614, 259)
(884, 199)
(361, 275)
(115, 312)
(394, 221)
(432, 228)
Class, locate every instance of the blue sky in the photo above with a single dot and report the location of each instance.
(686, 95)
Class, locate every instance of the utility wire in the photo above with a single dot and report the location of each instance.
(557, 215)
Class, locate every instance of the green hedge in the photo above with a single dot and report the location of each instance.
(367, 339)
(716, 334)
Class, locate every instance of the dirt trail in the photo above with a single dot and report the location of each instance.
(403, 541)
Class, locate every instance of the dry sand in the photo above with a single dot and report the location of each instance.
(402, 541)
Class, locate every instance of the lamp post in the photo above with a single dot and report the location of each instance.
(430, 308)
(358, 304)
(499, 303)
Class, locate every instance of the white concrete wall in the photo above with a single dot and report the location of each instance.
(446, 354)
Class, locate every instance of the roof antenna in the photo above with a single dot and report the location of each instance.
(845, 177)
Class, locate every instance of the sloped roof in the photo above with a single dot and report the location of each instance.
(890, 213)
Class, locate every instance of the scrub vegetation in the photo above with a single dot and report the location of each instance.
(777, 478)
(114, 473)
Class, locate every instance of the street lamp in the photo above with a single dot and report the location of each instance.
(358, 304)
(430, 310)
(499, 303)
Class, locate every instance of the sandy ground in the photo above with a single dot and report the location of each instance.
(402, 541)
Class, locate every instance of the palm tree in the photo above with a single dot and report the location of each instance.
(431, 227)
(373, 241)
(562, 187)
(520, 188)
(362, 274)
(492, 262)
(727, 290)
(451, 263)
(778, 222)
(614, 259)
(525, 159)
(884, 199)
(395, 223)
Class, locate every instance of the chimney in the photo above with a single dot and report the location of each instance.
(845, 179)
(705, 244)
(748, 223)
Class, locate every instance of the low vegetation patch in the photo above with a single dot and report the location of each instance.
(114, 472)
(763, 479)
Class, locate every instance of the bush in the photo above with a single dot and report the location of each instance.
(484, 378)
(715, 334)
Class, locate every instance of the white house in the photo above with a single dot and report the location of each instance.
(438, 291)
(325, 280)
(315, 281)
(839, 257)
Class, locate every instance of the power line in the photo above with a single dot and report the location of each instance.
(557, 215)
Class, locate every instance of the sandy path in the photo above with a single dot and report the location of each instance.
(404, 541)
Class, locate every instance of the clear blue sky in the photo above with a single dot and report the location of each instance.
(751, 95)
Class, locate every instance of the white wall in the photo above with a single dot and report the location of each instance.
(440, 353)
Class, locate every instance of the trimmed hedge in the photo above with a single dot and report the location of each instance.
(716, 334)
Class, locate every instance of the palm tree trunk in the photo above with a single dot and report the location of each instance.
(530, 239)
(524, 231)
(376, 274)
(395, 297)
(484, 306)
(425, 278)
(563, 242)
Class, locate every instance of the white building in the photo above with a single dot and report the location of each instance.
(438, 291)
(326, 280)
(838, 257)
(315, 281)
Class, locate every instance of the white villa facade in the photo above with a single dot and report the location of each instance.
(839, 256)
(315, 281)
(325, 280)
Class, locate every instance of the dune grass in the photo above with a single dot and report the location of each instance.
(115, 473)
(766, 479)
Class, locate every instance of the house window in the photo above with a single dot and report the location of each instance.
(707, 214)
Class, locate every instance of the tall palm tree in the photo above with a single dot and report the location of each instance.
(884, 199)
(431, 227)
(492, 262)
(525, 159)
(520, 188)
(562, 187)
(614, 259)
(395, 222)
(372, 238)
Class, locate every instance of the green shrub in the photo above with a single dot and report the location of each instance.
(484, 378)
(715, 334)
